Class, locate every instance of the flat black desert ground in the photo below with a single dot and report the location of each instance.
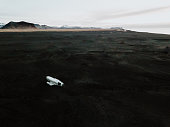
(111, 79)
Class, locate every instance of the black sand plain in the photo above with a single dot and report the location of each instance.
(112, 79)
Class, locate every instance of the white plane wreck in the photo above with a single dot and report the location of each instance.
(53, 81)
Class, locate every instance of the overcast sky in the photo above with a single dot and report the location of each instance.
(141, 15)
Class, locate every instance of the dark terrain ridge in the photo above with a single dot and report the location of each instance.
(112, 79)
(19, 25)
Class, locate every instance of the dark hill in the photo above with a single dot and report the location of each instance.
(19, 25)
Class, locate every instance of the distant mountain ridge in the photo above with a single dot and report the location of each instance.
(43, 26)
(26, 25)
(19, 25)
(1, 25)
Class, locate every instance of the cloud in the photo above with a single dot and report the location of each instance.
(132, 13)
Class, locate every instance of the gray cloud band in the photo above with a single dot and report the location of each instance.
(141, 12)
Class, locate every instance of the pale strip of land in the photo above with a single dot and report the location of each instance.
(53, 30)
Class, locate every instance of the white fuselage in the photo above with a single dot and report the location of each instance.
(53, 81)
